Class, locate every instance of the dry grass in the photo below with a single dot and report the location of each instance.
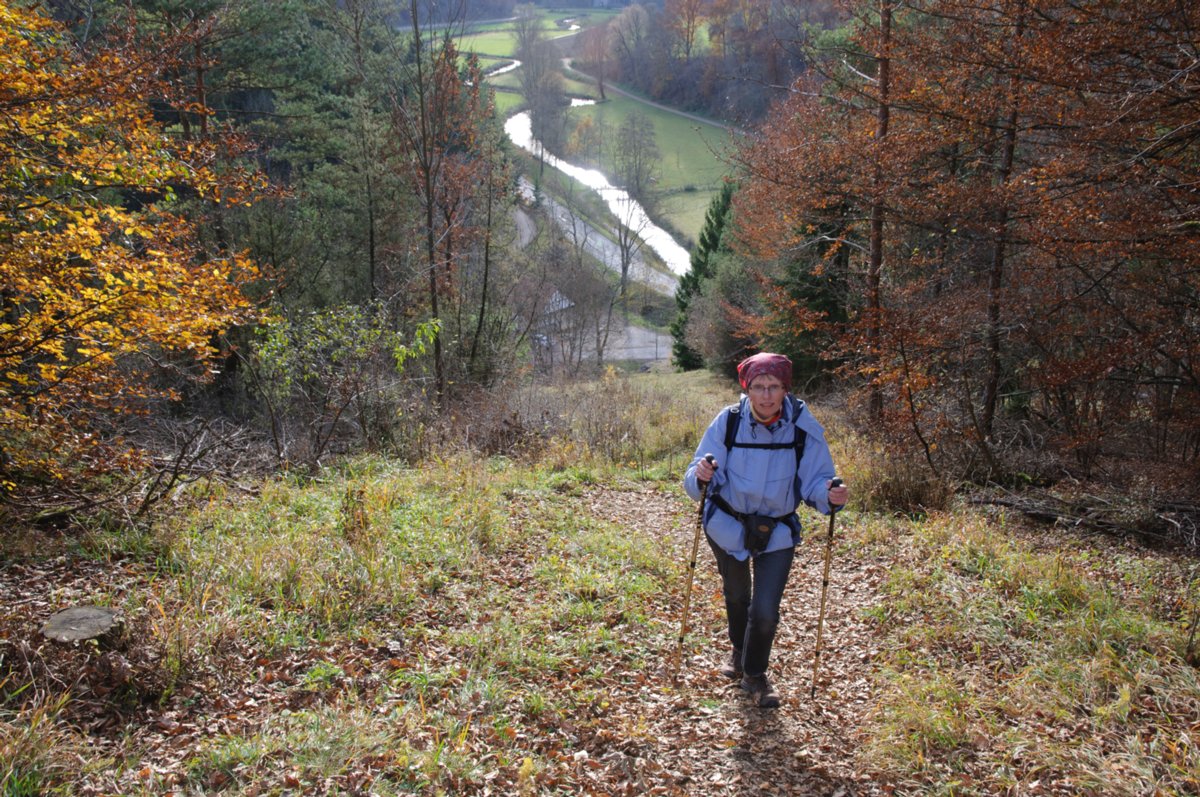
(1018, 669)
(435, 628)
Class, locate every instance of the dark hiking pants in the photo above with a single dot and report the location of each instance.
(753, 591)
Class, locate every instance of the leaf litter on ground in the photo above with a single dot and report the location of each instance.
(543, 663)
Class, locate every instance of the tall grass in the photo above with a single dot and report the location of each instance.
(36, 748)
(1031, 666)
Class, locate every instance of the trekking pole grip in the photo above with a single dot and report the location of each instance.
(700, 514)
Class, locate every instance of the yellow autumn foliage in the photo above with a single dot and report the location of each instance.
(100, 273)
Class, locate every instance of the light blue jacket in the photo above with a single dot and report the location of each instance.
(763, 481)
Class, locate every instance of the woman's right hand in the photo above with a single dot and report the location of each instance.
(705, 468)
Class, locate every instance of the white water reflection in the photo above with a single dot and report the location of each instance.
(509, 67)
(628, 211)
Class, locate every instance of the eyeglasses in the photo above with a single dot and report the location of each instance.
(765, 390)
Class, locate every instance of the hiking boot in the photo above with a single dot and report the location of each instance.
(761, 691)
(732, 667)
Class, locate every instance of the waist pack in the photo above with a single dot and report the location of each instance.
(756, 529)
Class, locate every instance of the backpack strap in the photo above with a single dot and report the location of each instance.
(733, 416)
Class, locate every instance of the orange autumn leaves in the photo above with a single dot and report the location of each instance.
(1009, 191)
(102, 279)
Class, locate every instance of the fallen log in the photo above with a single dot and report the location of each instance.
(1173, 523)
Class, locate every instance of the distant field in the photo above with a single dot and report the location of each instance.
(498, 38)
(685, 212)
(509, 80)
(495, 42)
(691, 170)
(507, 102)
(580, 88)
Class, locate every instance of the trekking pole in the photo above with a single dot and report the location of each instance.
(687, 592)
(824, 589)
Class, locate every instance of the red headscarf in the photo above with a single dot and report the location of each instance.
(776, 365)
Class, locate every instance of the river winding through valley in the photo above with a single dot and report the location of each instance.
(627, 210)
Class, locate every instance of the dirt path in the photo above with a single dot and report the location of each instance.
(707, 734)
(649, 735)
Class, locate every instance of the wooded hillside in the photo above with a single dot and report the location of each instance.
(307, 395)
(987, 215)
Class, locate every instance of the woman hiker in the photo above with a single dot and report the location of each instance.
(769, 455)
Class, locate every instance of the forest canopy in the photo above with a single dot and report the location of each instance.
(1002, 200)
(980, 219)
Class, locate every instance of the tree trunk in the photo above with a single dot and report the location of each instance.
(425, 152)
(991, 387)
(487, 261)
(875, 251)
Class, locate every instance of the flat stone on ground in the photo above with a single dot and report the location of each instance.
(79, 622)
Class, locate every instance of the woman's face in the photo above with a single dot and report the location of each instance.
(766, 396)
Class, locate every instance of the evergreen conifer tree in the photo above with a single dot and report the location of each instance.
(700, 270)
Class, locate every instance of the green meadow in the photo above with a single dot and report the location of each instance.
(508, 102)
(691, 166)
(499, 42)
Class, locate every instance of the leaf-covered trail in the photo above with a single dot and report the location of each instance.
(635, 731)
(706, 734)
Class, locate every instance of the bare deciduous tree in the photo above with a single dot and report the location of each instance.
(637, 156)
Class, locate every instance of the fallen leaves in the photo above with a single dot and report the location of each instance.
(631, 731)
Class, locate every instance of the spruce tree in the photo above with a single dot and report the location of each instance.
(699, 271)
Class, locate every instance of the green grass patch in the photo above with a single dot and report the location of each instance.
(1022, 663)
(685, 210)
(496, 42)
(509, 80)
(311, 749)
(508, 102)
